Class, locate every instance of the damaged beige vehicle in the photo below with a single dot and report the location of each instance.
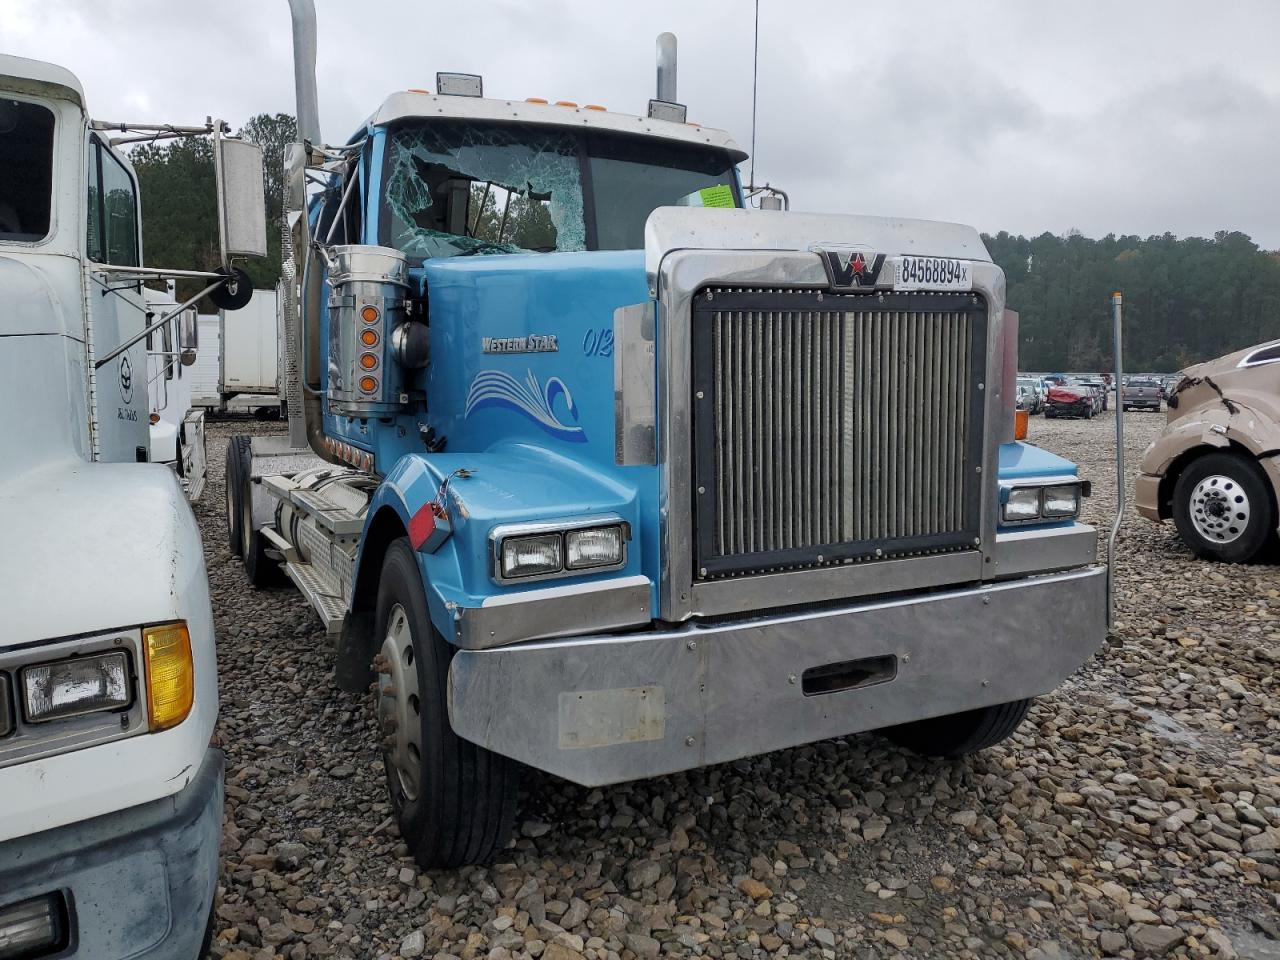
(1216, 467)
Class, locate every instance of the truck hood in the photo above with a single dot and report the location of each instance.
(94, 547)
(1241, 379)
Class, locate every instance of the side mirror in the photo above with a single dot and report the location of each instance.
(188, 337)
(242, 214)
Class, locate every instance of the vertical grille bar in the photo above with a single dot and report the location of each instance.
(844, 431)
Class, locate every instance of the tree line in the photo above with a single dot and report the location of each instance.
(1186, 299)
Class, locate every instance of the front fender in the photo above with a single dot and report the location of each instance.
(511, 483)
(1214, 427)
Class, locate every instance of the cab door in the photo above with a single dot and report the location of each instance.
(117, 309)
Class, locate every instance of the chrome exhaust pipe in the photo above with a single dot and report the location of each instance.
(667, 67)
(304, 69)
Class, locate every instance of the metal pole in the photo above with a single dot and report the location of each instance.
(158, 324)
(1121, 495)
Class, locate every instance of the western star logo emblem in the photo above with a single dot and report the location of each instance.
(126, 379)
(851, 269)
(533, 343)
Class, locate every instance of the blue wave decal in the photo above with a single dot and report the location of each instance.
(495, 388)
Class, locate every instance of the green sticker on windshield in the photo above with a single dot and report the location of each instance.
(721, 195)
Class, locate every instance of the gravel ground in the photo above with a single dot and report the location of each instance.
(1136, 813)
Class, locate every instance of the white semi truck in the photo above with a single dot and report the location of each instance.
(110, 791)
(177, 427)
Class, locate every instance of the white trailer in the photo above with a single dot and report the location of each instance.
(110, 793)
(248, 352)
(207, 370)
(177, 428)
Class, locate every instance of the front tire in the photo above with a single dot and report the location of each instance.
(454, 800)
(1223, 509)
(236, 462)
(957, 734)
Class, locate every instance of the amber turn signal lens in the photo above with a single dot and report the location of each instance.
(1021, 419)
(369, 313)
(368, 384)
(369, 338)
(171, 680)
(368, 361)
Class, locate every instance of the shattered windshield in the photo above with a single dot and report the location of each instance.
(462, 188)
(457, 188)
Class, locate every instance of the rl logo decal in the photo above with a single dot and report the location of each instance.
(851, 269)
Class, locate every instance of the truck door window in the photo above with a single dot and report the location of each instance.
(457, 188)
(112, 221)
(119, 213)
(26, 159)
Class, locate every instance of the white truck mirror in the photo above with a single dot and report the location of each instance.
(188, 337)
(242, 215)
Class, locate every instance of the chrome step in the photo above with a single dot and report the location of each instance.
(330, 607)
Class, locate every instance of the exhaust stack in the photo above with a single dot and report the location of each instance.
(664, 106)
(304, 69)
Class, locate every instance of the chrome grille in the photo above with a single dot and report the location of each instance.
(834, 428)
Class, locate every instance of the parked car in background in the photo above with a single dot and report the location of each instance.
(1141, 393)
(1167, 386)
(1215, 470)
(1033, 390)
(1069, 401)
(1100, 387)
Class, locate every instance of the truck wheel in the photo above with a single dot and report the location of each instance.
(455, 801)
(1223, 508)
(237, 460)
(956, 734)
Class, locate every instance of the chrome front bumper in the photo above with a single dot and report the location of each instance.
(606, 709)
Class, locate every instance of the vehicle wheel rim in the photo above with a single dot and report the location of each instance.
(1220, 509)
(399, 706)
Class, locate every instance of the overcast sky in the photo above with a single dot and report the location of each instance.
(1105, 116)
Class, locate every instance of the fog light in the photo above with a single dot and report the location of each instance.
(171, 684)
(76, 685)
(530, 556)
(33, 927)
(1062, 501)
(1023, 504)
(596, 547)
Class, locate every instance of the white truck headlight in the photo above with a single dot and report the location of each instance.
(597, 547)
(531, 556)
(75, 686)
(1062, 501)
(1023, 503)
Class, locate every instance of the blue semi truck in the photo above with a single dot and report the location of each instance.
(595, 468)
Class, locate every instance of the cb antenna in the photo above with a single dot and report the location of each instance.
(755, 79)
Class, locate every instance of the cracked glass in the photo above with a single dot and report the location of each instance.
(458, 188)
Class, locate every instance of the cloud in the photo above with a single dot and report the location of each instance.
(1127, 118)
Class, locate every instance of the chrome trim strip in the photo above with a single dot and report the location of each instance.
(557, 611)
(794, 587)
(1021, 552)
(635, 385)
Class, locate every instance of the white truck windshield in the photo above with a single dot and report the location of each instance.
(454, 188)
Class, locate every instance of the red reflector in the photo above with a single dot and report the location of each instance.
(422, 525)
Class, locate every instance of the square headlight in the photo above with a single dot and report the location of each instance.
(75, 686)
(594, 547)
(1062, 501)
(531, 556)
(1023, 503)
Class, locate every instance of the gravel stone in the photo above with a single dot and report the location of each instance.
(1136, 812)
